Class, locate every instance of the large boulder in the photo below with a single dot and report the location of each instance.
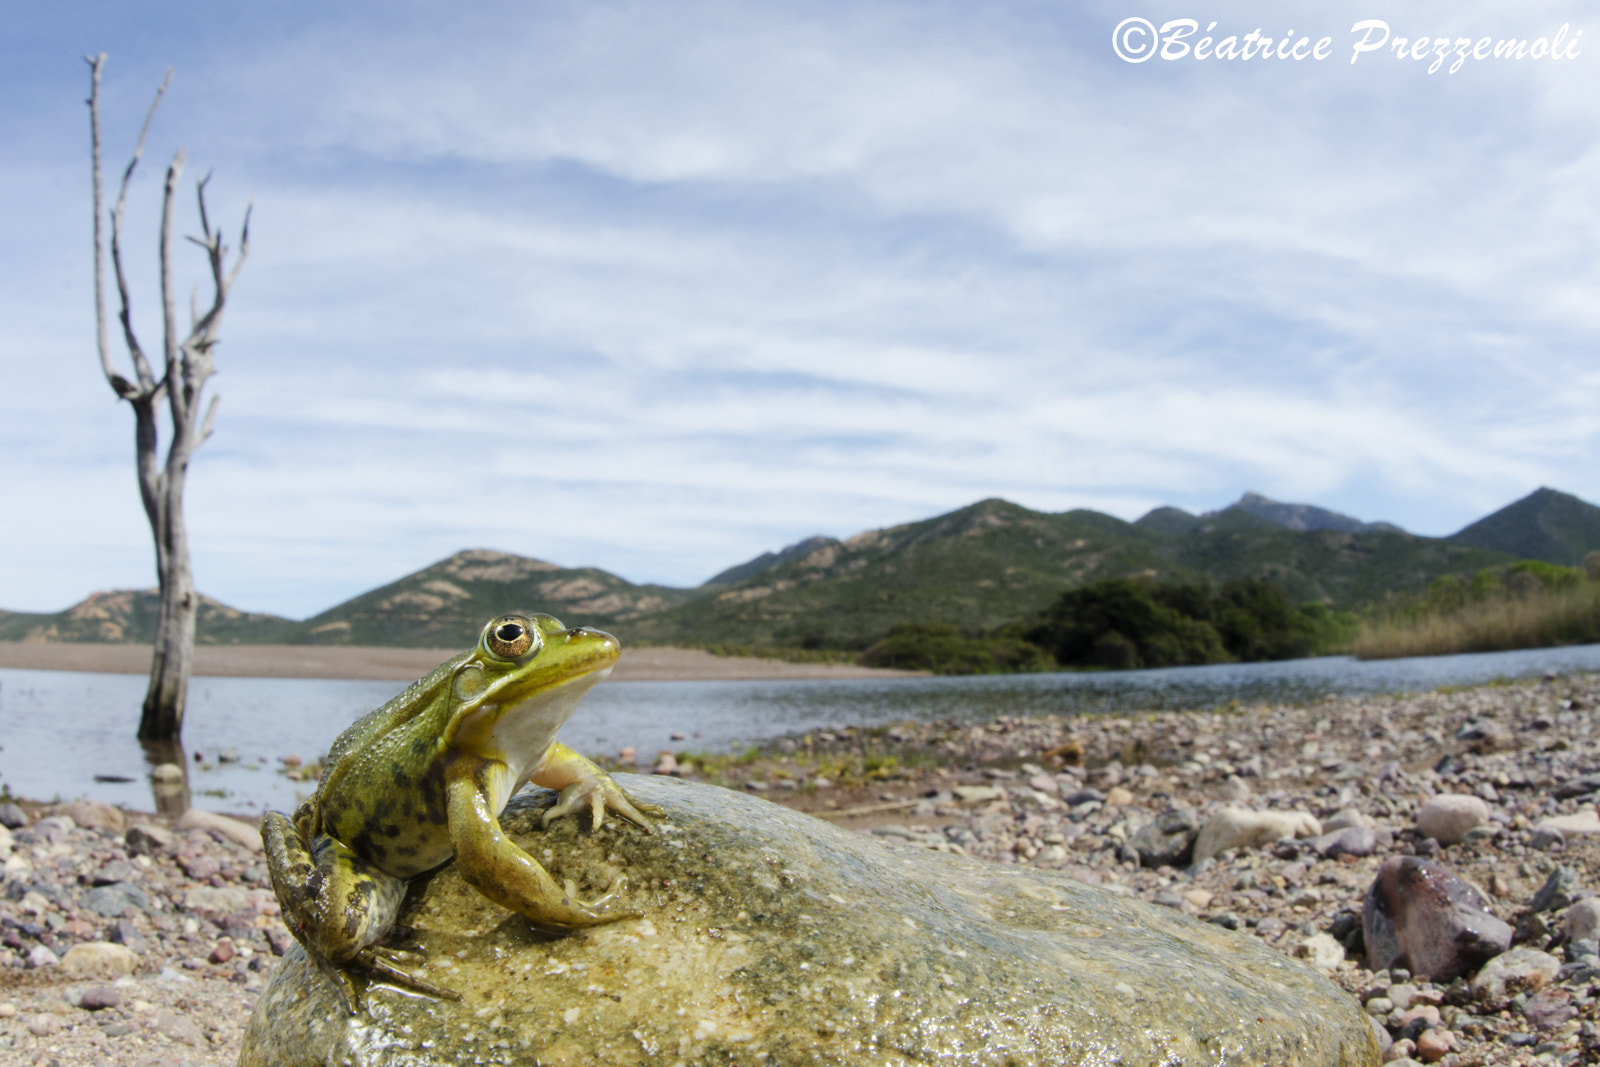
(770, 936)
(1420, 915)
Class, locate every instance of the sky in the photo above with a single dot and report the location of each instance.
(658, 286)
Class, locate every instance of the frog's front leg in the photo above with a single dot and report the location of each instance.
(492, 863)
(580, 782)
(337, 905)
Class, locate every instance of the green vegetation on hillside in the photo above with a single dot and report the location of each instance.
(956, 591)
(943, 649)
(129, 616)
(992, 563)
(1546, 525)
(1528, 604)
(1124, 624)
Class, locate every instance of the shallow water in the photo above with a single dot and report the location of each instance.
(59, 729)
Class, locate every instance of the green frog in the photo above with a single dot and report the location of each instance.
(425, 778)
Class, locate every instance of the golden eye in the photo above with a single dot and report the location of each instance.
(511, 637)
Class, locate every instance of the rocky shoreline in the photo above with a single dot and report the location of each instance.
(131, 939)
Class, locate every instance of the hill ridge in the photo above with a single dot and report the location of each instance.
(982, 565)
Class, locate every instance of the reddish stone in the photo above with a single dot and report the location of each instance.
(223, 952)
(1435, 1045)
(1549, 1008)
(200, 868)
(1419, 915)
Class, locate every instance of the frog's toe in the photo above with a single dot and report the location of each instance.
(396, 955)
(598, 902)
(635, 811)
(569, 802)
(343, 983)
(377, 964)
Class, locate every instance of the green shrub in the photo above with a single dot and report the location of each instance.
(1125, 622)
(943, 649)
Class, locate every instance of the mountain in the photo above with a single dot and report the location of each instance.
(1306, 516)
(446, 604)
(978, 567)
(994, 562)
(1546, 524)
(1343, 570)
(768, 560)
(129, 615)
(1168, 521)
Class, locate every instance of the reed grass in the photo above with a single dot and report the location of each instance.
(1540, 619)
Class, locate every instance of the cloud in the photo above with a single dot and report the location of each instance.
(658, 287)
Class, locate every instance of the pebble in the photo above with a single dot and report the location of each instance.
(99, 959)
(1521, 970)
(1449, 817)
(1559, 890)
(1399, 1052)
(99, 997)
(1167, 840)
(1578, 824)
(1322, 951)
(1235, 828)
(245, 834)
(1583, 920)
(1434, 1045)
(114, 900)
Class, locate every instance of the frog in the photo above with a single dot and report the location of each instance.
(423, 780)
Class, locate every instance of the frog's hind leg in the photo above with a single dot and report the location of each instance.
(337, 906)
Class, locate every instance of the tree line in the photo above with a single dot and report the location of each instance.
(1128, 623)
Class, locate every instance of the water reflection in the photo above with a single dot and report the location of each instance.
(67, 734)
(169, 776)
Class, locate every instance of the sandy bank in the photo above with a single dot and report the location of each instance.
(400, 664)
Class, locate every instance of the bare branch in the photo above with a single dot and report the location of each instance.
(244, 243)
(119, 384)
(205, 425)
(141, 366)
(202, 336)
(200, 195)
(180, 396)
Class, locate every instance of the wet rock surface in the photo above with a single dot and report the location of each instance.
(770, 935)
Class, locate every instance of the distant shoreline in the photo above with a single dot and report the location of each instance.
(646, 664)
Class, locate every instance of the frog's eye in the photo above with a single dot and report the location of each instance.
(511, 638)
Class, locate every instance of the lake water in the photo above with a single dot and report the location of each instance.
(59, 730)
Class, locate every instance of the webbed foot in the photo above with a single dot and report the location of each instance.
(597, 795)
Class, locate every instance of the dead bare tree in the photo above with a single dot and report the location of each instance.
(186, 366)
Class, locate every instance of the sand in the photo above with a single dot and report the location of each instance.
(646, 664)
